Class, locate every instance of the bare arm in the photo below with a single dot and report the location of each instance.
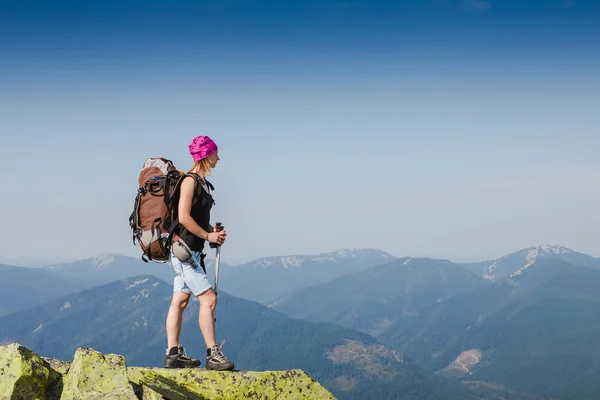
(185, 206)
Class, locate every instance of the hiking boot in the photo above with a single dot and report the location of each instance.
(215, 359)
(178, 359)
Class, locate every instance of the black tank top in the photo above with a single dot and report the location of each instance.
(202, 203)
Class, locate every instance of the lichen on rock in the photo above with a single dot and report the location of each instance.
(26, 376)
(94, 376)
(200, 384)
(97, 376)
(143, 392)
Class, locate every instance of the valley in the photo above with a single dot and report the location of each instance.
(392, 327)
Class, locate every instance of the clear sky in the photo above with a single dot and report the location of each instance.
(454, 129)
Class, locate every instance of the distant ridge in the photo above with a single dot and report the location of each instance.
(267, 279)
(516, 262)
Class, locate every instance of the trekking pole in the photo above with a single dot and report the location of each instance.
(218, 228)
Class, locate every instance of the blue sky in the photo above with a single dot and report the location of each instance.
(455, 129)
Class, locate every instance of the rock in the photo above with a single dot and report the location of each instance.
(26, 376)
(200, 384)
(58, 365)
(143, 392)
(97, 376)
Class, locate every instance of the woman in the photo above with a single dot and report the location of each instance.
(195, 203)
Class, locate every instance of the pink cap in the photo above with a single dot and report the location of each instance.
(202, 147)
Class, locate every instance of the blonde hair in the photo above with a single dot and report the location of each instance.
(201, 167)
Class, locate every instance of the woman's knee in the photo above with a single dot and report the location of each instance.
(208, 299)
(180, 301)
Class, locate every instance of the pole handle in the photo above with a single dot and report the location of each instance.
(218, 228)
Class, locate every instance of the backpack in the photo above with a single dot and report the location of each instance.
(152, 221)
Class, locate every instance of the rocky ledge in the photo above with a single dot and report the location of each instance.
(92, 375)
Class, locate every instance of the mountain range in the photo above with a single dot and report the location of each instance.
(22, 288)
(515, 263)
(376, 298)
(267, 279)
(522, 327)
(273, 279)
(536, 332)
(128, 317)
(535, 321)
(107, 268)
(263, 280)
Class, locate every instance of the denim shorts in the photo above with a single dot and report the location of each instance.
(188, 279)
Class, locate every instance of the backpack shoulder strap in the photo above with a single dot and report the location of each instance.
(175, 223)
(180, 180)
(202, 180)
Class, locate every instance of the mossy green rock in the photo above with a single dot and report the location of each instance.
(201, 384)
(97, 376)
(26, 376)
(143, 392)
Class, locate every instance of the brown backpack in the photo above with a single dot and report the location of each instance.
(153, 220)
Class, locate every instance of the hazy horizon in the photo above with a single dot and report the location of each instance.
(445, 129)
(40, 261)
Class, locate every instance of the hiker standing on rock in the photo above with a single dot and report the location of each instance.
(195, 203)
